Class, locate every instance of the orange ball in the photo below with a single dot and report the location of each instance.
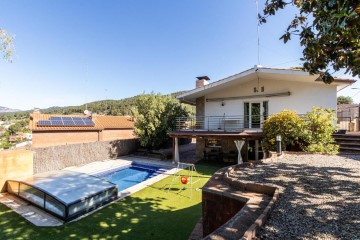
(184, 179)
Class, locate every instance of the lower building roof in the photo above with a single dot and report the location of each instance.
(101, 123)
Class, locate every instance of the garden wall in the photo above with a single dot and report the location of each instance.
(15, 164)
(59, 157)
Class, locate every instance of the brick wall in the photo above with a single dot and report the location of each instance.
(200, 107)
(47, 139)
(217, 210)
(15, 164)
(59, 157)
(116, 134)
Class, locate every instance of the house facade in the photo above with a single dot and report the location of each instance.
(52, 130)
(232, 109)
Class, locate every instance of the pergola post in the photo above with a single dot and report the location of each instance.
(176, 150)
(256, 150)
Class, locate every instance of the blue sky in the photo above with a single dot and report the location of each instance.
(71, 52)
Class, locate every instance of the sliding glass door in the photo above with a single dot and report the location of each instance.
(255, 113)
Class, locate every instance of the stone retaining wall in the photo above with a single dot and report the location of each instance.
(59, 157)
(234, 209)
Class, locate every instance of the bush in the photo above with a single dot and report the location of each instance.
(319, 130)
(287, 124)
(155, 116)
(312, 135)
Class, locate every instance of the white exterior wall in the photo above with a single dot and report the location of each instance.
(303, 96)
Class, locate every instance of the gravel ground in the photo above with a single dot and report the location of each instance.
(320, 196)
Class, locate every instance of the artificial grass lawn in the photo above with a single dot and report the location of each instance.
(151, 213)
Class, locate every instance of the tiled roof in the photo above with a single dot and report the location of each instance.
(119, 122)
(101, 122)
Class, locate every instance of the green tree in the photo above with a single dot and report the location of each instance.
(6, 45)
(14, 129)
(344, 100)
(20, 126)
(155, 117)
(329, 31)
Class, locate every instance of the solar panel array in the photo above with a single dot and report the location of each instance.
(66, 121)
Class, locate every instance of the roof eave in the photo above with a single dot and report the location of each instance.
(190, 96)
(65, 130)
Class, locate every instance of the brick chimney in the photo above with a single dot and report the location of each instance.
(202, 81)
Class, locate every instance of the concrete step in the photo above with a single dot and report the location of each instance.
(349, 144)
(343, 137)
(348, 153)
(346, 136)
(349, 149)
(346, 142)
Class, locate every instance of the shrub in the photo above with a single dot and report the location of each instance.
(319, 130)
(287, 124)
(312, 135)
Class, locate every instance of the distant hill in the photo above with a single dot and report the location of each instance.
(109, 107)
(8, 110)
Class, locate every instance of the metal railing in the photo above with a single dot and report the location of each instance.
(220, 123)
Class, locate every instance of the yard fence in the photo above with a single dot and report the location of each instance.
(59, 157)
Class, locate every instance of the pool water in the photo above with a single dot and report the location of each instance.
(131, 175)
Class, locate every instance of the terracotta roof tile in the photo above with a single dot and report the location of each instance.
(119, 122)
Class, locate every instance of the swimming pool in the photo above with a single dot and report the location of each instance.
(131, 175)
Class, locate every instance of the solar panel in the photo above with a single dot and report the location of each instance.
(56, 123)
(90, 123)
(68, 123)
(55, 118)
(44, 123)
(67, 118)
(79, 123)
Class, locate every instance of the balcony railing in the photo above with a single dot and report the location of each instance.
(221, 123)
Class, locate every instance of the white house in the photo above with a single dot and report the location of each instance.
(233, 108)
